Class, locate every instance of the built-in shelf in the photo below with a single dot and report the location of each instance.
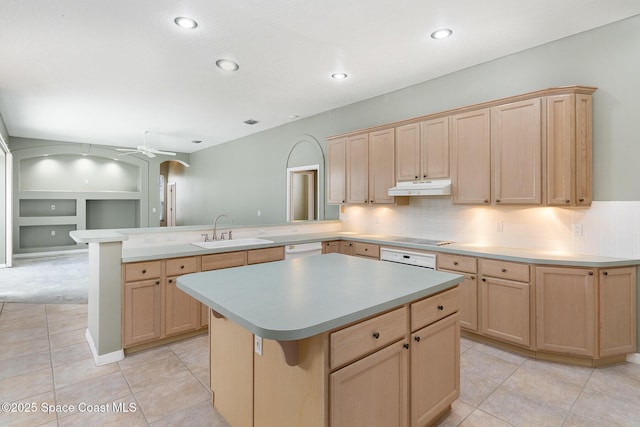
(47, 207)
(46, 236)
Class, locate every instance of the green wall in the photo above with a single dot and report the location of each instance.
(3, 194)
(248, 174)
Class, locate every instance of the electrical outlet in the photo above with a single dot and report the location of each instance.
(53, 207)
(53, 232)
(577, 230)
(259, 213)
(499, 226)
(258, 345)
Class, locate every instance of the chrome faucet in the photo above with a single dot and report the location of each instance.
(215, 227)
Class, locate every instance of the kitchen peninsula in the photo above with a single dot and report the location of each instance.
(334, 330)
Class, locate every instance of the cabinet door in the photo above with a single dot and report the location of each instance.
(561, 150)
(434, 148)
(372, 391)
(565, 308)
(516, 151)
(468, 300)
(231, 354)
(336, 174)
(408, 152)
(617, 311)
(382, 175)
(505, 310)
(584, 156)
(142, 312)
(435, 370)
(357, 169)
(182, 312)
(471, 161)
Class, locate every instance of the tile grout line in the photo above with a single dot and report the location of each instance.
(53, 377)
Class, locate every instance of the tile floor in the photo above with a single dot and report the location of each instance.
(45, 359)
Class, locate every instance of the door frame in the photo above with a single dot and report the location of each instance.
(8, 213)
(310, 168)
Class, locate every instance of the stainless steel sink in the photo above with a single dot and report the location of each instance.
(231, 243)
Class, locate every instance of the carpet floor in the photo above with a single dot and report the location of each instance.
(46, 279)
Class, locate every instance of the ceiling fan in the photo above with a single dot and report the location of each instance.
(144, 149)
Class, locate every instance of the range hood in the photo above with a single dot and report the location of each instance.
(436, 187)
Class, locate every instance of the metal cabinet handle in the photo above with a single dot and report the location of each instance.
(472, 277)
(170, 280)
(504, 270)
(455, 262)
(498, 201)
(376, 335)
(581, 200)
(157, 282)
(591, 273)
(440, 307)
(144, 271)
(417, 338)
(567, 201)
(182, 267)
(605, 273)
(405, 345)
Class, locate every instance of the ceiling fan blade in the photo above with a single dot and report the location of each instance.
(165, 153)
(129, 150)
(127, 153)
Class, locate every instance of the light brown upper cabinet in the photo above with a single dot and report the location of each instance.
(362, 168)
(471, 161)
(569, 151)
(529, 149)
(422, 150)
(336, 173)
(381, 165)
(516, 153)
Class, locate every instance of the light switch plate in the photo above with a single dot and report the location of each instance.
(258, 345)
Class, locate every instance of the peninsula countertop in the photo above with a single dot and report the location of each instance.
(299, 298)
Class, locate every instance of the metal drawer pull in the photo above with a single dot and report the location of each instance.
(504, 270)
(376, 335)
(144, 271)
(440, 307)
(417, 338)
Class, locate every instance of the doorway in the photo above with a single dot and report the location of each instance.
(171, 204)
(302, 193)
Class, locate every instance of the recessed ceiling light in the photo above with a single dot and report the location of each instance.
(196, 141)
(183, 22)
(294, 116)
(251, 122)
(339, 76)
(442, 33)
(227, 65)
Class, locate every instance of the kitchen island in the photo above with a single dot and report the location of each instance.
(331, 340)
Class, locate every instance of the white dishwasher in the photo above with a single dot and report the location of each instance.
(302, 250)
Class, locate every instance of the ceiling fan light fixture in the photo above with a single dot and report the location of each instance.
(184, 22)
(442, 33)
(227, 65)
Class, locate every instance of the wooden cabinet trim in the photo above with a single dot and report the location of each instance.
(434, 308)
(258, 256)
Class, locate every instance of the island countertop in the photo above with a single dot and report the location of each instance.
(299, 298)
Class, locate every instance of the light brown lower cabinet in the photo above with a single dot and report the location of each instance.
(142, 311)
(182, 311)
(566, 310)
(435, 370)
(586, 312)
(330, 247)
(372, 391)
(156, 311)
(381, 371)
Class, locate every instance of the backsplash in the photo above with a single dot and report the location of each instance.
(606, 229)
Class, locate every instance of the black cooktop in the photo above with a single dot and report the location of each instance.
(427, 242)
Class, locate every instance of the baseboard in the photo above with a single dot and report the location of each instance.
(52, 253)
(104, 359)
(634, 358)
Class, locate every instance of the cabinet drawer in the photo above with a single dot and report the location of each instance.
(257, 256)
(434, 308)
(226, 260)
(505, 270)
(350, 343)
(178, 266)
(142, 270)
(456, 263)
(366, 249)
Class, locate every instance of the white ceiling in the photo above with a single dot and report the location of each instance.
(103, 71)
